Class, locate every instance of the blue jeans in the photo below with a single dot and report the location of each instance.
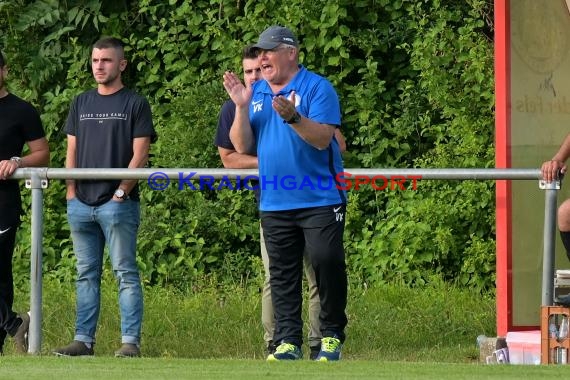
(91, 226)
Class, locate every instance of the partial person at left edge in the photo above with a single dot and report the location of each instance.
(20, 125)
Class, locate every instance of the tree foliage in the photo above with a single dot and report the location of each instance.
(415, 81)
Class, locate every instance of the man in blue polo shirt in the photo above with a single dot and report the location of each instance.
(290, 118)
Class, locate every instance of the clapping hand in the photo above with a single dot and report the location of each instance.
(240, 94)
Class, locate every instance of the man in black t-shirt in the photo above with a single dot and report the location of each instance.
(107, 127)
(20, 125)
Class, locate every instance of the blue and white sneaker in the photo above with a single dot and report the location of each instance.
(330, 350)
(285, 351)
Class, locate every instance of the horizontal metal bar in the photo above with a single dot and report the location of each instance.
(175, 173)
(41, 174)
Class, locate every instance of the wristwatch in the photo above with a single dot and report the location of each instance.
(296, 118)
(17, 159)
(120, 193)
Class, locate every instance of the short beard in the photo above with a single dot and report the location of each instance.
(107, 80)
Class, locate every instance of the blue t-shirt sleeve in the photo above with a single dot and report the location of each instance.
(324, 105)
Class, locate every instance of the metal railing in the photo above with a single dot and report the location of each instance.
(37, 179)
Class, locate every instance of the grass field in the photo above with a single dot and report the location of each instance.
(214, 332)
(106, 368)
(436, 322)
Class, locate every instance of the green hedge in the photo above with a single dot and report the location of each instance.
(415, 81)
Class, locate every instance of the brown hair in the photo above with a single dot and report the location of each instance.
(110, 43)
(249, 52)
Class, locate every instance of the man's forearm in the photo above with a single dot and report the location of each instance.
(234, 160)
(564, 151)
(316, 134)
(141, 147)
(241, 133)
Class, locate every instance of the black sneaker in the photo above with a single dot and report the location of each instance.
(75, 348)
(314, 352)
(21, 335)
(3, 335)
(271, 347)
(128, 350)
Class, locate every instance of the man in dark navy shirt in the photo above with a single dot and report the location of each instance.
(234, 160)
(290, 117)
